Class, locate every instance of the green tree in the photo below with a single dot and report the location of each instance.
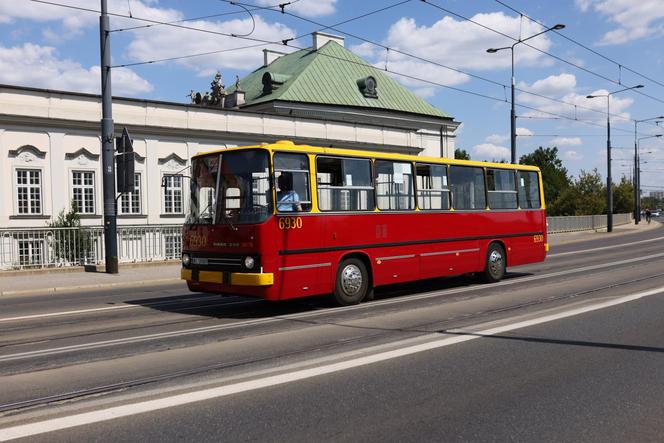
(69, 241)
(623, 196)
(461, 154)
(591, 193)
(554, 176)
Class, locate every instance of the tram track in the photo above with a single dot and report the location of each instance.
(417, 330)
(393, 301)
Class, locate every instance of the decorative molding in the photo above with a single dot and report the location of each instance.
(172, 162)
(27, 153)
(138, 157)
(83, 155)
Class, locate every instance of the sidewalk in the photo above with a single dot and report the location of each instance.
(579, 236)
(137, 275)
(53, 281)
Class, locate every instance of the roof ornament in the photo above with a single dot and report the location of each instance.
(368, 86)
(215, 97)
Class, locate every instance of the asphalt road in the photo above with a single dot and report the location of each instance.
(568, 349)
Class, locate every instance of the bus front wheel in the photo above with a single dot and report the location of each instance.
(352, 283)
(494, 269)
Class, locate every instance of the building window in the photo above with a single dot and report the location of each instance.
(30, 252)
(83, 189)
(173, 246)
(28, 191)
(130, 202)
(173, 194)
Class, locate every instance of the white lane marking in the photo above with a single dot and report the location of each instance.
(404, 299)
(106, 308)
(87, 418)
(621, 245)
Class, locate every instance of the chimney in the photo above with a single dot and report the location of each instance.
(269, 56)
(320, 38)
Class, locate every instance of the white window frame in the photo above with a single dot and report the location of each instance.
(170, 188)
(29, 187)
(82, 210)
(132, 197)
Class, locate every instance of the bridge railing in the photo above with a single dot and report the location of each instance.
(584, 222)
(32, 248)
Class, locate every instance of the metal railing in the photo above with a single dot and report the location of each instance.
(584, 222)
(31, 248)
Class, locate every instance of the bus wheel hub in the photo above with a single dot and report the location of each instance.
(351, 279)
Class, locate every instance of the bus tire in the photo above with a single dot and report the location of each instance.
(352, 282)
(496, 264)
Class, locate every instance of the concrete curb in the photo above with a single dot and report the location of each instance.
(97, 286)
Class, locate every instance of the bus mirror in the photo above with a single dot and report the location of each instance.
(233, 198)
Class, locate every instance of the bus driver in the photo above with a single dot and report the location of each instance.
(287, 198)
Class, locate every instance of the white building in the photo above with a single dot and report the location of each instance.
(50, 149)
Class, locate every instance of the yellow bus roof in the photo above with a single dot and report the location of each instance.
(288, 146)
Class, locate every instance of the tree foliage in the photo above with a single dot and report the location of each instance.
(461, 154)
(69, 241)
(554, 176)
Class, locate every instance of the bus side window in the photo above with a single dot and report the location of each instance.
(502, 188)
(433, 191)
(291, 172)
(394, 185)
(344, 184)
(529, 195)
(467, 187)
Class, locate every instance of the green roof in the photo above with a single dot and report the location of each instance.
(329, 76)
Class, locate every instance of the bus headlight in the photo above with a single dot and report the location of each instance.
(249, 262)
(186, 260)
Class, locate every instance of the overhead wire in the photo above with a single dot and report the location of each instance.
(618, 64)
(267, 42)
(419, 58)
(556, 57)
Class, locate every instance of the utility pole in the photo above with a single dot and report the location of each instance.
(107, 146)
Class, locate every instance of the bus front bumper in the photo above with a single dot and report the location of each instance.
(228, 278)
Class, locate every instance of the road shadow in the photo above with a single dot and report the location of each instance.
(244, 308)
(555, 341)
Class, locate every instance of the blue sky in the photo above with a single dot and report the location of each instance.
(48, 46)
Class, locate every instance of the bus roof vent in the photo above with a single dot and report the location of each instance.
(284, 142)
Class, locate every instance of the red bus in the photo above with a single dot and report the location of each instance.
(280, 221)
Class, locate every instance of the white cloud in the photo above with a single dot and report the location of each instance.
(165, 42)
(572, 155)
(497, 139)
(489, 151)
(72, 21)
(38, 66)
(307, 8)
(565, 141)
(425, 92)
(524, 132)
(455, 43)
(634, 20)
(563, 87)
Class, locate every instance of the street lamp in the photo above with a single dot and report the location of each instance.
(637, 185)
(513, 111)
(609, 184)
(637, 169)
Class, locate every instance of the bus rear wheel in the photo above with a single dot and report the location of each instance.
(494, 269)
(352, 284)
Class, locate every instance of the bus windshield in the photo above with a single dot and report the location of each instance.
(231, 187)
